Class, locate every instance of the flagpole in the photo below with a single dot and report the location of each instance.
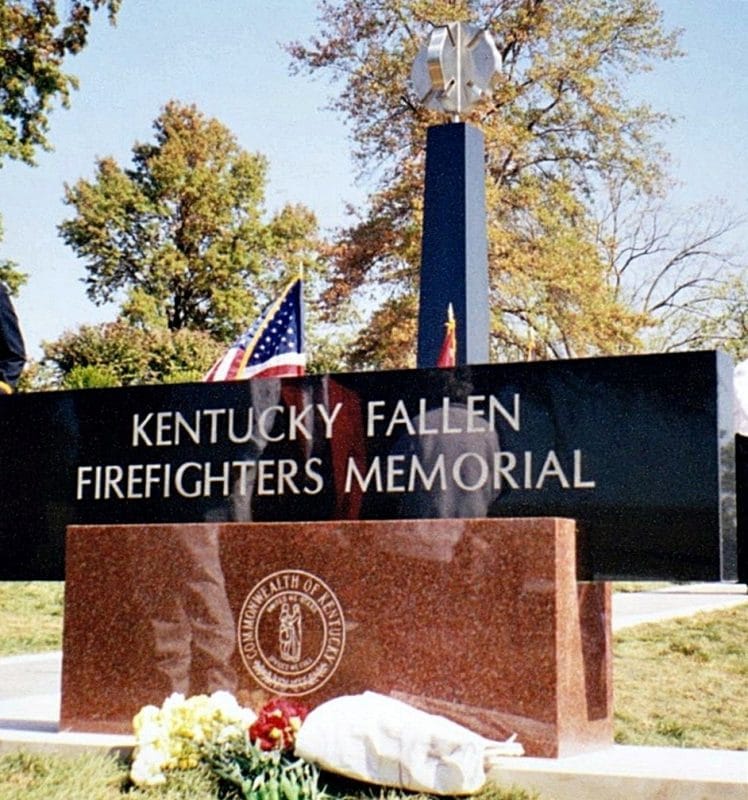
(302, 309)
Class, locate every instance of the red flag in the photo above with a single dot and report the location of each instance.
(448, 353)
(272, 348)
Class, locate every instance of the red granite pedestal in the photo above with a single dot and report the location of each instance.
(480, 620)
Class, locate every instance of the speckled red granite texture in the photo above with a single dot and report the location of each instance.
(480, 620)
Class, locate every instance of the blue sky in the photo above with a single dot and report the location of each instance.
(224, 55)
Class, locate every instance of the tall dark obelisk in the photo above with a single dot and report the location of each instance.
(452, 71)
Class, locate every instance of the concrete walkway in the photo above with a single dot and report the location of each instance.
(635, 608)
(30, 692)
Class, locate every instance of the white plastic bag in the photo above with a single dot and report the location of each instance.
(375, 738)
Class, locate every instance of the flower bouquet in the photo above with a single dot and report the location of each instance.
(253, 753)
(177, 735)
(262, 767)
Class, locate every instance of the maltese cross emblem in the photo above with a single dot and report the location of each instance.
(455, 68)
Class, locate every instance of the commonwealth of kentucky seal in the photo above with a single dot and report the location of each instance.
(291, 632)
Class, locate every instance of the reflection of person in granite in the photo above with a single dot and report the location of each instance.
(471, 449)
(192, 624)
(265, 394)
(430, 552)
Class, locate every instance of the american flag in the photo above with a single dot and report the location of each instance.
(272, 348)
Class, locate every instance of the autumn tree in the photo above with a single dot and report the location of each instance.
(10, 275)
(722, 323)
(558, 127)
(120, 354)
(35, 40)
(678, 268)
(180, 239)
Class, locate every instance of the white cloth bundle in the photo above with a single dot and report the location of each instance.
(375, 738)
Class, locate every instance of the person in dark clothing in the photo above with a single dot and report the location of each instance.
(12, 350)
(740, 410)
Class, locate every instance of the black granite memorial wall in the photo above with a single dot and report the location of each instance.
(639, 450)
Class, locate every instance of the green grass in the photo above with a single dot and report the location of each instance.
(639, 586)
(30, 616)
(488, 792)
(96, 777)
(684, 683)
(25, 776)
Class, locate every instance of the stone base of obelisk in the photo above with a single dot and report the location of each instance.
(481, 620)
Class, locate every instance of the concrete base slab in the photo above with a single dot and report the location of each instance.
(62, 743)
(624, 772)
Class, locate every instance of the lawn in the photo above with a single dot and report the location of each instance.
(96, 777)
(30, 616)
(685, 682)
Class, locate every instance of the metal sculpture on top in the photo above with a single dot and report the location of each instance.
(455, 68)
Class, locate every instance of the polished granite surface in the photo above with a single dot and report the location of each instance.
(639, 450)
(480, 620)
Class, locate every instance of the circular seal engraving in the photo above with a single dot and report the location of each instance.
(291, 632)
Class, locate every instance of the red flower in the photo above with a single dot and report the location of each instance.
(276, 726)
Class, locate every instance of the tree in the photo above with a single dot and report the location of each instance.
(677, 269)
(34, 42)
(10, 275)
(180, 237)
(722, 324)
(119, 354)
(558, 128)
(181, 242)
